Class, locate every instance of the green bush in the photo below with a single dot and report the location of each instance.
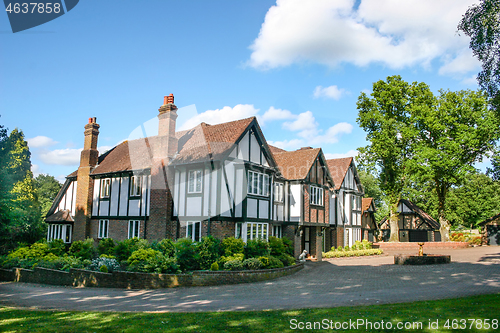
(65, 263)
(83, 249)
(347, 248)
(103, 269)
(57, 247)
(111, 264)
(238, 256)
(214, 266)
(35, 251)
(354, 253)
(340, 248)
(187, 255)
(106, 246)
(125, 248)
(270, 262)
(257, 248)
(276, 245)
(165, 246)
(231, 246)
(151, 261)
(357, 245)
(252, 263)
(209, 250)
(366, 244)
(286, 259)
(288, 244)
(234, 265)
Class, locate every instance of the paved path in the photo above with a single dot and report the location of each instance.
(335, 282)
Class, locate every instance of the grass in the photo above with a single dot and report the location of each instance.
(476, 307)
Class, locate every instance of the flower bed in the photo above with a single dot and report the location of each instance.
(352, 253)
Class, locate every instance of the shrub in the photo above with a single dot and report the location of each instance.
(252, 263)
(257, 248)
(347, 248)
(57, 247)
(366, 244)
(106, 246)
(36, 251)
(286, 259)
(238, 256)
(65, 263)
(209, 250)
(187, 254)
(110, 264)
(475, 240)
(340, 248)
(214, 266)
(357, 245)
(276, 245)
(151, 261)
(103, 269)
(234, 265)
(165, 246)
(231, 246)
(125, 248)
(270, 262)
(83, 249)
(288, 244)
(355, 253)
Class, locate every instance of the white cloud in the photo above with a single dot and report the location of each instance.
(40, 142)
(223, 115)
(276, 114)
(304, 123)
(332, 92)
(463, 63)
(393, 33)
(350, 153)
(35, 169)
(67, 156)
(288, 144)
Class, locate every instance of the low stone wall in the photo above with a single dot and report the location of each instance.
(431, 259)
(414, 246)
(132, 280)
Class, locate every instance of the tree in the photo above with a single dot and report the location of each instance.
(385, 116)
(494, 171)
(47, 188)
(481, 23)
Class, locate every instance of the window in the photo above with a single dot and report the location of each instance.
(277, 231)
(278, 192)
(135, 186)
(133, 229)
(193, 231)
(59, 231)
(103, 229)
(316, 195)
(238, 233)
(105, 187)
(256, 230)
(258, 183)
(194, 181)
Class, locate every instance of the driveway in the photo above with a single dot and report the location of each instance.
(331, 283)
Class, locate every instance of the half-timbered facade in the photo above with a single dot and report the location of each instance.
(368, 223)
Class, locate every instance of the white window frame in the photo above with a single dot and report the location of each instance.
(279, 192)
(191, 230)
(59, 231)
(316, 195)
(258, 183)
(134, 229)
(255, 230)
(103, 229)
(277, 231)
(238, 230)
(135, 186)
(195, 181)
(105, 187)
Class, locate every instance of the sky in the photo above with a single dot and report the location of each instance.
(298, 66)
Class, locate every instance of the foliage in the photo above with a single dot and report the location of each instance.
(209, 250)
(288, 244)
(125, 248)
(47, 188)
(252, 264)
(151, 261)
(234, 265)
(256, 248)
(83, 249)
(223, 259)
(35, 251)
(165, 246)
(103, 269)
(352, 253)
(110, 264)
(57, 247)
(187, 254)
(269, 262)
(214, 266)
(366, 244)
(106, 246)
(481, 23)
(276, 245)
(286, 259)
(371, 186)
(231, 246)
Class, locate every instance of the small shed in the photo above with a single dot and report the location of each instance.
(490, 230)
(415, 225)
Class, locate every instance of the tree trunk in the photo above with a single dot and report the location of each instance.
(444, 230)
(393, 222)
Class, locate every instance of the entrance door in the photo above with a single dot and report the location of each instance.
(307, 239)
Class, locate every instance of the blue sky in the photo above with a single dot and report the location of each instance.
(299, 66)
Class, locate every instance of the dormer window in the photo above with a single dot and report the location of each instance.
(135, 186)
(105, 187)
(258, 183)
(316, 195)
(194, 181)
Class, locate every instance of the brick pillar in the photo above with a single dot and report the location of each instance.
(85, 184)
(319, 244)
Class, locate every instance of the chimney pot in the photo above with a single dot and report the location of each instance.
(90, 120)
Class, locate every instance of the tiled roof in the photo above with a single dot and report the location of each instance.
(338, 169)
(60, 216)
(365, 204)
(296, 164)
(276, 150)
(423, 215)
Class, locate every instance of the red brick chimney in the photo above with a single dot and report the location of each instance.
(85, 184)
(166, 126)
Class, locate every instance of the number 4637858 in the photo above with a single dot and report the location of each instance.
(34, 7)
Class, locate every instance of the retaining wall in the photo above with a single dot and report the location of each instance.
(133, 280)
(414, 246)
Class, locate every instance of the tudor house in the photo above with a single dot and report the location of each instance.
(345, 200)
(222, 180)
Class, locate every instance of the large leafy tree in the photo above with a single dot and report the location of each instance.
(451, 134)
(47, 188)
(385, 116)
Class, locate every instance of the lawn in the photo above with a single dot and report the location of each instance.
(477, 311)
